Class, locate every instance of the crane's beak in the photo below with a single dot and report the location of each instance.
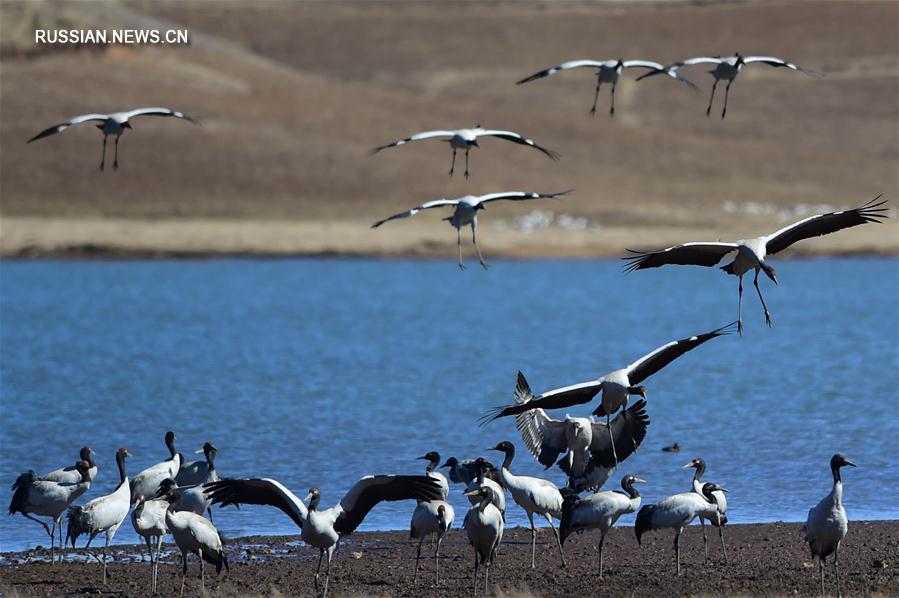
(445, 465)
(722, 489)
(639, 481)
(425, 457)
(475, 492)
(688, 465)
(849, 463)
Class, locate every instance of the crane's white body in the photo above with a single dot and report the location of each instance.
(69, 475)
(146, 483)
(441, 479)
(193, 534)
(431, 517)
(148, 520)
(484, 526)
(498, 496)
(827, 524)
(719, 518)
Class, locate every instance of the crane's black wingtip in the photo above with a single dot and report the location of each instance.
(492, 414)
(727, 329)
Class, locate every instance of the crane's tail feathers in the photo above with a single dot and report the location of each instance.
(644, 521)
(77, 524)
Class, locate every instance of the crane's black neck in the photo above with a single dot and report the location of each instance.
(835, 470)
(628, 485)
(170, 443)
(210, 458)
(120, 461)
(85, 473)
(700, 471)
(313, 502)
(510, 454)
(707, 491)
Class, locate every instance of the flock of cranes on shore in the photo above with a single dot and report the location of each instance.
(173, 496)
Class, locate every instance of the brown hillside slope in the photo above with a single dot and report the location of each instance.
(295, 95)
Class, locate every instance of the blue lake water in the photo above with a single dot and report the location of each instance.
(317, 372)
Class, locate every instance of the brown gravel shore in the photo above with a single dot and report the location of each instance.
(765, 560)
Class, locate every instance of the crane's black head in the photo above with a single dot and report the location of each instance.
(433, 456)
(637, 390)
(315, 496)
(122, 453)
(710, 487)
(169, 437)
(451, 462)
(172, 496)
(620, 63)
(208, 447)
(840, 460)
(630, 480)
(85, 453)
(698, 463)
(505, 447)
(481, 492)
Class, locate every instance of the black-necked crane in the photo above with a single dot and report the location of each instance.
(676, 512)
(751, 253)
(588, 459)
(430, 517)
(193, 498)
(148, 520)
(465, 139)
(72, 474)
(103, 514)
(194, 534)
(599, 511)
(146, 483)
(36, 497)
(718, 519)
(826, 525)
(616, 386)
(465, 212)
(484, 525)
(433, 459)
(607, 71)
(727, 68)
(111, 124)
(485, 471)
(534, 495)
(467, 471)
(322, 529)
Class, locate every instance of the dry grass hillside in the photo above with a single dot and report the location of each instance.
(294, 96)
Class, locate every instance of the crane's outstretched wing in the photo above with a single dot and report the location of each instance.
(693, 254)
(628, 430)
(63, 126)
(571, 64)
(543, 436)
(158, 111)
(777, 62)
(437, 203)
(416, 137)
(576, 394)
(255, 491)
(516, 138)
(371, 490)
(651, 363)
(520, 196)
(823, 224)
(659, 69)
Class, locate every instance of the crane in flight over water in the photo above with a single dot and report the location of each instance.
(465, 211)
(751, 253)
(616, 386)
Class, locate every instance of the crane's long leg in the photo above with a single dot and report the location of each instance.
(556, 534)
(533, 541)
(459, 243)
(708, 110)
(209, 512)
(611, 438)
(487, 576)
(202, 573)
(595, 99)
(437, 559)
(183, 571)
(836, 567)
(115, 162)
(417, 561)
(150, 552)
(705, 539)
(53, 542)
(602, 540)
(476, 571)
(740, 307)
(726, 93)
(321, 555)
(612, 109)
(721, 535)
(156, 561)
(468, 149)
(821, 570)
(328, 572)
(105, 547)
(677, 549)
(765, 307)
(474, 239)
(103, 157)
(453, 164)
(44, 525)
